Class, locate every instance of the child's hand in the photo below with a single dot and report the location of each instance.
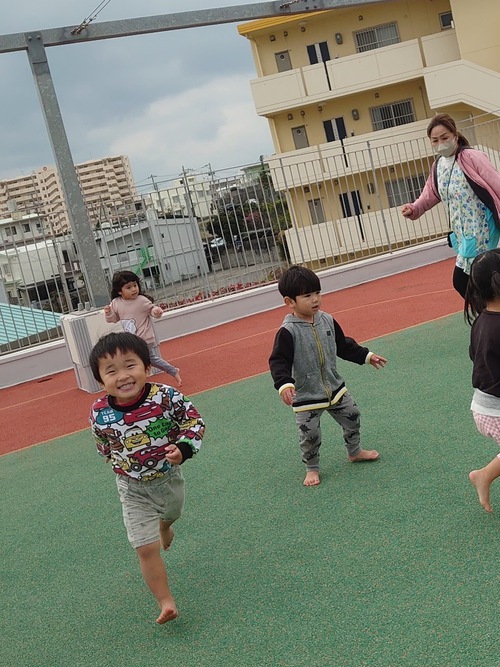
(178, 378)
(157, 311)
(107, 310)
(287, 395)
(377, 362)
(174, 455)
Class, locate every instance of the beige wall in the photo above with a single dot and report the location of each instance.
(477, 24)
(414, 18)
(313, 118)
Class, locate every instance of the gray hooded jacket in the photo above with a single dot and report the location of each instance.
(304, 356)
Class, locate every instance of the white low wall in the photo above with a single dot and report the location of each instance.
(49, 358)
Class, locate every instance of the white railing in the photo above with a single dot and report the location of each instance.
(233, 230)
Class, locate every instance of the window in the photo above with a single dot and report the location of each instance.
(391, 115)
(335, 129)
(10, 231)
(376, 38)
(318, 53)
(26, 227)
(300, 137)
(402, 190)
(316, 210)
(283, 61)
(446, 21)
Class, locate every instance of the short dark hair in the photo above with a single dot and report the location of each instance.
(484, 283)
(298, 280)
(108, 345)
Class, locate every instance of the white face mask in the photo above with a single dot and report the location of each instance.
(445, 149)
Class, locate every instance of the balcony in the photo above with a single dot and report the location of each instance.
(362, 153)
(353, 74)
(479, 86)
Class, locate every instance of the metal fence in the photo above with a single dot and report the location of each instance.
(210, 233)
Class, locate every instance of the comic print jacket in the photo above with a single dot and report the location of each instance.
(305, 355)
(135, 437)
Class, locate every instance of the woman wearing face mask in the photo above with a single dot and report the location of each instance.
(466, 182)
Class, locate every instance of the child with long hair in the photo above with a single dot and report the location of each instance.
(482, 311)
(134, 310)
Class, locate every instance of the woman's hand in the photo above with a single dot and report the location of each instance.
(407, 210)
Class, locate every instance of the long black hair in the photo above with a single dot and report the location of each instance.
(483, 285)
(121, 278)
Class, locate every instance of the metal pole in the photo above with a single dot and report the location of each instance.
(196, 231)
(95, 279)
(379, 199)
(153, 228)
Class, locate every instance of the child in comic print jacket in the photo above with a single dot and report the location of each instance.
(147, 430)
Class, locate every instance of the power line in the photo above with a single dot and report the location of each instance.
(93, 15)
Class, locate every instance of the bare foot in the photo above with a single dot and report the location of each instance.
(365, 455)
(482, 487)
(312, 478)
(168, 612)
(166, 534)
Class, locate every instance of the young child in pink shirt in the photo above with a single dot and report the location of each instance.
(134, 310)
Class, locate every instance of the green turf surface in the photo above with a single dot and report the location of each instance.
(384, 564)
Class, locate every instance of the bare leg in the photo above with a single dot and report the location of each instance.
(155, 575)
(482, 480)
(365, 455)
(312, 478)
(166, 534)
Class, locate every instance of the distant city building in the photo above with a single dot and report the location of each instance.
(34, 270)
(107, 185)
(191, 194)
(45, 272)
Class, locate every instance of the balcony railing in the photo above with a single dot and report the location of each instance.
(352, 74)
(348, 75)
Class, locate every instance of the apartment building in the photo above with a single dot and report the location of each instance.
(35, 270)
(107, 185)
(348, 94)
(191, 194)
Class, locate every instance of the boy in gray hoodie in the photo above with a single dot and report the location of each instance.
(303, 365)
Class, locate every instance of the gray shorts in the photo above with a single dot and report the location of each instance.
(145, 503)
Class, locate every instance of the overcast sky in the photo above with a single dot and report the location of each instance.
(179, 98)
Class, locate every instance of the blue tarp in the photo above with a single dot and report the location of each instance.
(18, 322)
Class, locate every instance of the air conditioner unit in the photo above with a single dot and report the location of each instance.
(82, 330)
